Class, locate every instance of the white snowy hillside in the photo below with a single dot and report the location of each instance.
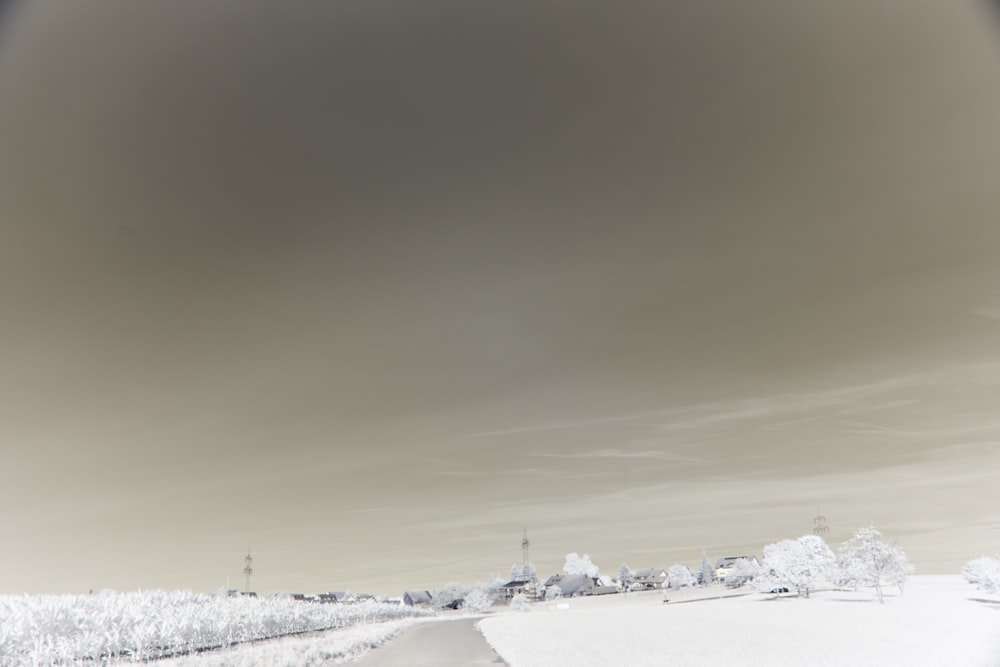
(941, 620)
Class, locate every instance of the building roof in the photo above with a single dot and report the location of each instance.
(417, 597)
(571, 584)
(651, 574)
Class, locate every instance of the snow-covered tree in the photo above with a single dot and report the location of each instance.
(553, 592)
(516, 574)
(528, 572)
(626, 576)
(899, 568)
(984, 573)
(520, 603)
(577, 564)
(795, 564)
(707, 573)
(679, 575)
(742, 571)
(866, 559)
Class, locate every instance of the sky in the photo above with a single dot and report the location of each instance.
(370, 288)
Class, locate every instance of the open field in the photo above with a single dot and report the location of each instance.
(940, 620)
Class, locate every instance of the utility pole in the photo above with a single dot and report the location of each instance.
(247, 570)
(524, 546)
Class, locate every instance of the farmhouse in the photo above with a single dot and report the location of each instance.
(414, 598)
(512, 588)
(648, 580)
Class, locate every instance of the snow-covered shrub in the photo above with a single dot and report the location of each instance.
(742, 571)
(576, 564)
(520, 603)
(984, 573)
(795, 564)
(553, 592)
(679, 575)
(479, 598)
(866, 559)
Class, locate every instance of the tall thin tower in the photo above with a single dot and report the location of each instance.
(819, 525)
(247, 570)
(525, 543)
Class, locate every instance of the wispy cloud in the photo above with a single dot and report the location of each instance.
(619, 454)
(781, 411)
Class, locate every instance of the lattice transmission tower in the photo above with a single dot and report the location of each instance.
(819, 525)
(247, 570)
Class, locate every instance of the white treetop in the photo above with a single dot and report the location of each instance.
(577, 564)
(866, 559)
(680, 575)
(984, 573)
(795, 564)
(707, 571)
(625, 575)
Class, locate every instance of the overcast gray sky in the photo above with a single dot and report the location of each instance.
(371, 286)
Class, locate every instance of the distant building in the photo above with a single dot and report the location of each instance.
(648, 580)
(571, 585)
(512, 588)
(415, 598)
(725, 564)
(336, 596)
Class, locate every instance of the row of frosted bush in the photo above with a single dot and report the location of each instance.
(113, 627)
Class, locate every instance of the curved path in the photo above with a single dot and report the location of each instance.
(435, 644)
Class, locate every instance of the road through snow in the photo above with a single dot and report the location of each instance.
(435, 644)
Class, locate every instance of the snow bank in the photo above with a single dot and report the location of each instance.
(936, 623)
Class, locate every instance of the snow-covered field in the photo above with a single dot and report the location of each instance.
(112, 628)
(940, 620)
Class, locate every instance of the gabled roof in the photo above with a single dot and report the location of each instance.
(651, 574)
(571, 584)
(417, 597)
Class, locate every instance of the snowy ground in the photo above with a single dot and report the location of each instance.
(939, 621)
(333, 647)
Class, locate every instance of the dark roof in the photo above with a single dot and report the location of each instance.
(417, 597)
(657, 573)
(572, 584)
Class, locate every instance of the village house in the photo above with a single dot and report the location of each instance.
(512, 588)
(415, 598)
(648, 580)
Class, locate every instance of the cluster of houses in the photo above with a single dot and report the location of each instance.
(559, 585)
